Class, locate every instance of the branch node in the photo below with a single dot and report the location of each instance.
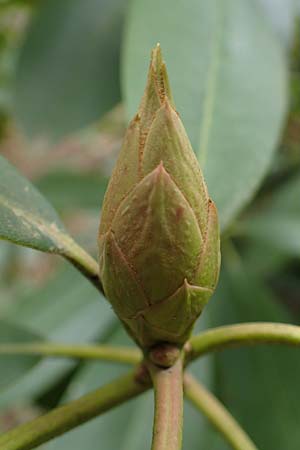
(164, 355)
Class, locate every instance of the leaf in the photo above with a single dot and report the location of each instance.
(123, 418)
(263, 259)
(67, 74)
(28, 219)
(282, 15)
(133, 420)
(282, 233)
(260, 386)
(66, 309)
(228, 75)
(13, 367)
(67, 190)
(283, 199)
(277, 225)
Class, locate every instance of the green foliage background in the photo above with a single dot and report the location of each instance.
(71, 75)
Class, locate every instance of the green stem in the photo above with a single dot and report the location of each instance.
(69, 416)
(217, 414)
(168, 390)
(242, 334)
(124, 354)
(82, 260)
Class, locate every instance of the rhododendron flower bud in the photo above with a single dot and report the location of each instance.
(159, 234)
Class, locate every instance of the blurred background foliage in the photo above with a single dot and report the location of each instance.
(71, 74)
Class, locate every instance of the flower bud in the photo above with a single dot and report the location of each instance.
(159, 235)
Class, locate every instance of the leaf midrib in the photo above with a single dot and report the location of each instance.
(47, 229)
(211, 86)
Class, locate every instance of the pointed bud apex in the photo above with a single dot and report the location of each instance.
(159, 234)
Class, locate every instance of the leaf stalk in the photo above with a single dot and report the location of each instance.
(116, 354)
(241, 334)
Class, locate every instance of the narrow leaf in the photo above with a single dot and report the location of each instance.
(133, 420)
(93, 375)
(67, 309)
(257, 382)
(13, 367)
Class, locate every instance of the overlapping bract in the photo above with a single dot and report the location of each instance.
(159, 233)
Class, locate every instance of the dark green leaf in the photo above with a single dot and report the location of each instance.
(13, 367)
(278, 231)
(278, 225)
(286, 199)
(264, 259)
(67, 74)
(228, 76)
(260, 386)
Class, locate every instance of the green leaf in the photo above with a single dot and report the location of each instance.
(263, 259)
(26, 216)
(283, 198)
(282, 16)
(66, 309)
(67, 74)
(133, 420)
(13, 367)
(28, 219)
(277, 225)
(67, 190)
(123, 419)
(228, 76)
(277, 231)
(260, 386)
